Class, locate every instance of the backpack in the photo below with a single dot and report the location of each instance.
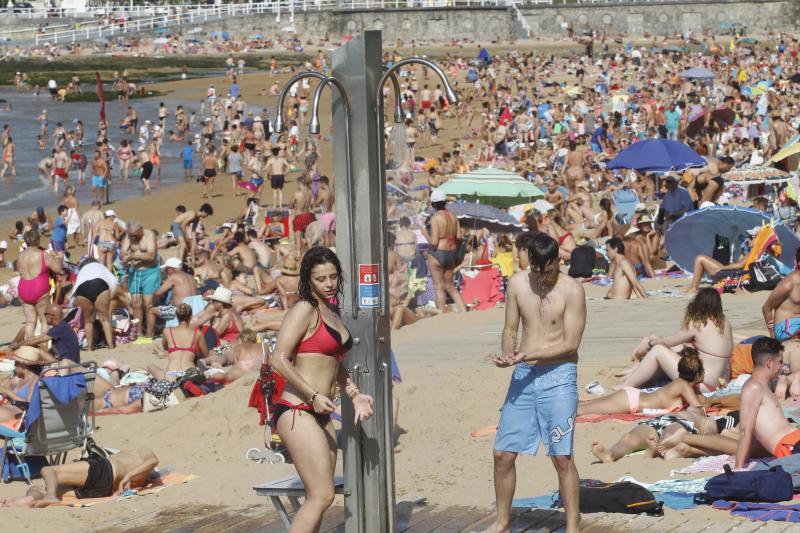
(722, 249)
(763, 276)
(581, 262)
(773, 485)
(624, 497)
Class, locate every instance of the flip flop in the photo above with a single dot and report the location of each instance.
(595, 388)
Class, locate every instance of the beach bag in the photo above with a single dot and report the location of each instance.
(773, 485)
(722, 249)
(624, 497)
(581, 262)
(160, 394)
(763, 276)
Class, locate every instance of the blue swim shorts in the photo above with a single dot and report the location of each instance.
(144, 281)
(540, 406)
(787, 329)
(187, 164)
(98, 182)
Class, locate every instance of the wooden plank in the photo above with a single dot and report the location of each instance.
(414, 516)
(543, 521)
(748, 527)
(252, 524)
(462, 518)
(718, 527)
(602, 522)
(207, 524)
(481, 523)
(643, 522)
(334, 517)
(434, 519)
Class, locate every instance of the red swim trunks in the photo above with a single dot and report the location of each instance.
(426, 104)
(60, 172)
(787, 444)
(302, 221)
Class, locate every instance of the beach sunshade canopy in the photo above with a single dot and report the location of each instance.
(492, 186)
(541, 205)
(720, 120)
(747, 40)
(675, 48)
(695, 233)
(697, 73)
(788, 150)
(756, 174)
(196, 29)
(657, 155)
(475, 215)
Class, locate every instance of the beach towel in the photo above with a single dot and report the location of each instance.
(676, 500)
(684, 486)
(64, 389)
(623, 417)
(483, 286)
(712, 463)
(153, 486)
(763, 512)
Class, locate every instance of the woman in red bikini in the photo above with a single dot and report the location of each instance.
(34, 266)
(183, 344)
(312, 344)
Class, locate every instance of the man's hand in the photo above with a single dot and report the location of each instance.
(124, 485)
(503, 360)
(13, 345)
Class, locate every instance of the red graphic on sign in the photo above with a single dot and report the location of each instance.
(368, 274)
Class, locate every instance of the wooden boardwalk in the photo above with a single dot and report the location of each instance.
(415, 518)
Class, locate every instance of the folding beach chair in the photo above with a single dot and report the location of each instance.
(625, 201)
(60, 418)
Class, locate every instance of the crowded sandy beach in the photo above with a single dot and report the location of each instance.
(592, 253)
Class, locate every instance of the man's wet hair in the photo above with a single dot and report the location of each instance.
(207, 209)
(542, 251)
(617, 244)
(523, 241)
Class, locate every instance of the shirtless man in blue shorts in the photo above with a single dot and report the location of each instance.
(782, 314)
(542, 399)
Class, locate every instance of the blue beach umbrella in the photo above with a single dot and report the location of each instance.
(657, 155)
(697, 73)
(475, 215)
(695, 233)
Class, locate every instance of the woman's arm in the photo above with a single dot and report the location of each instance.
(690, 397)
(680, 337)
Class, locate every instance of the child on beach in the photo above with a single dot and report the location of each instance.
(680, 392)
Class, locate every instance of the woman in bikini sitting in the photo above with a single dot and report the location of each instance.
(246, 357)
(183, 344)
(443, 252)
(17, 392)
(555, 228)
(672, 397)
(34, 266)
(312, 344)
(704, 328)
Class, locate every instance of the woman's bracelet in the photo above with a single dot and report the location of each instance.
(313, 396)
(353, 393)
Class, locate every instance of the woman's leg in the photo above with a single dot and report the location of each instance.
(41, 305)
(104, 310)
(155, 371)
(437, 273)
(704, 265)
(616, 402)
(639, 438)
(87, 312)
(450, 287)
(313, 451)
(658, 359)
(30, 319)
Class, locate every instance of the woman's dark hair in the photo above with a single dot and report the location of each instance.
(690, 366)
(318, 255)
(439, 205)
(20, 225)
(707, 305)
(543, 250)
(605, 205)
(183, 312)
(31, 237)
(617, 244)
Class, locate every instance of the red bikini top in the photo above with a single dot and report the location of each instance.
(194, 348)
(325, 340)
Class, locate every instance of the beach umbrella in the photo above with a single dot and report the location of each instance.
(697, 73)
(789, 149)
(492, 186)
(695, 233)
(475, 215)
(720, 120)
(541, 205)
(256, 37)
(657, 155)
(347, 38)
(196, 29)
(162, 30)
(675, 48)
(756, 174)
(160, 40)
(747, 40)
(247, 185)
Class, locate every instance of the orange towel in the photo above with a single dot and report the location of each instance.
(742, 360)
(152, 487)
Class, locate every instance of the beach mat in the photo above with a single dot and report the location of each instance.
(153, 486)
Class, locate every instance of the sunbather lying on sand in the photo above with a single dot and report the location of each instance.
(680, 392)
(246, 357)
(95, 477)
(123, 399)
(648, 435)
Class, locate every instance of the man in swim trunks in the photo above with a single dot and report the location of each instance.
(138, 254)
(210, 167)
(542, 398)
(93, 477)
(182, 286)
(276, 167)
(301, 204)
(761, 416)
(61, 164)
(99, 171)
(781, 313)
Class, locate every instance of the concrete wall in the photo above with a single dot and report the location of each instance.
(665, 17)
(483, 24)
